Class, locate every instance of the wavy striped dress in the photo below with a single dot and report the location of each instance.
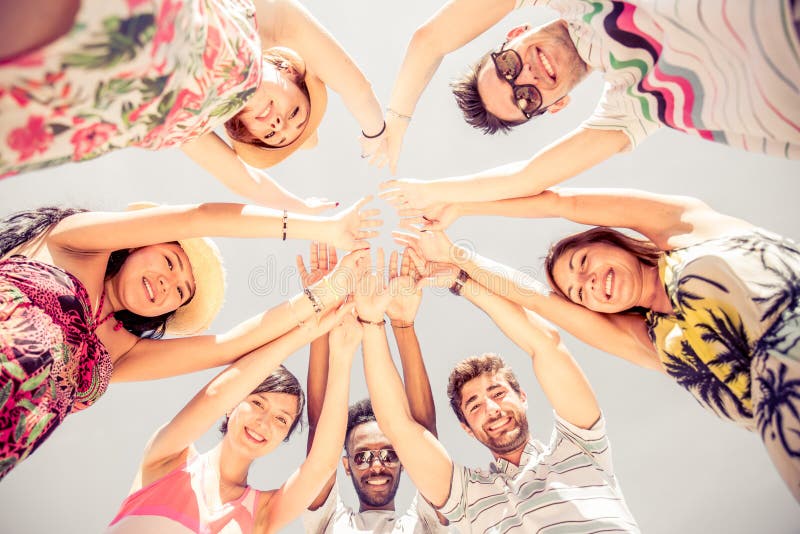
(724, 70)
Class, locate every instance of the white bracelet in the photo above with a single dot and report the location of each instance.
(393, 113)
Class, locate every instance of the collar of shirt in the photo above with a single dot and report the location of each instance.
(533, 450)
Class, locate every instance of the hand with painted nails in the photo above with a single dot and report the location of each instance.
(345, 277)
(322, 260)
(435, 217)
(373, 296)
(350, 228)
(432, 273)
(406, 296)
(316, 205)
(431, 246)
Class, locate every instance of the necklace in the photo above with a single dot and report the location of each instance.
(108, 316)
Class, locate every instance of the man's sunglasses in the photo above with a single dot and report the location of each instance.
(527, 97)
(364, 459)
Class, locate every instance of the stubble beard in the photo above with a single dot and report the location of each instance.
(511, 440)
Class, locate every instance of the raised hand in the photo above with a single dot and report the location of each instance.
(373, 297)
(316, 205)
(314, 329)
(407, 193)
(345, 277)
(322, 260)
(396, 127)
(349, 229)
(345, 337)
(431, 273)
(431, 246)
(375, 150)
(406, 296)
(435, 217)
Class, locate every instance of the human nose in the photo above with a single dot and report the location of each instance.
(527, 76)
(492, 406)
(278, 123)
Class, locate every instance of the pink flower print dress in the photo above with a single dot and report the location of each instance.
(147, 73)
(51, 361)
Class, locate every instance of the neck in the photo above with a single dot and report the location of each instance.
(112, 303)
(363, 507)
(232, 466)
(654, 296)
(514, 456)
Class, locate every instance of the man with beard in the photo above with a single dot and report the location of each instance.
(726, 72)
(370, 460)
(568, 485)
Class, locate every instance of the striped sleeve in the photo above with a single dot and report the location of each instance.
(592, 442)
(617, 112)
(455, 507)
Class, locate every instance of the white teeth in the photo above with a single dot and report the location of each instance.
(265, 113)
(149, 289)
(255, 435)
(609, 278)
(498, 424)
(377, 481)
(547, 66)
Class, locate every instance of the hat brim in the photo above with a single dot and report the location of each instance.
(209, 278)
(263, 157)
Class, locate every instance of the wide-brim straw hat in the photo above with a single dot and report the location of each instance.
(209, 277)
(263, 157)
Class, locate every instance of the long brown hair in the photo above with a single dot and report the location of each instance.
(644, 249)
(283, 59)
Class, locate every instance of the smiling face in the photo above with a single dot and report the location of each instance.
(261, 422)
(602, 277)
(376, 485)
(278, 111)
(495, 413)
(550, 62)
(154, 280)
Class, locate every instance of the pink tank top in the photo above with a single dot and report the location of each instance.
(177, 504)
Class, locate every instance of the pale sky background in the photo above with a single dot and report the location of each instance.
(681, 469)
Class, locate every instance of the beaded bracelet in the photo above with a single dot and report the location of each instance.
(377, 134)
(285, 219)
(364, 321)
(458, 285)
(314, 301)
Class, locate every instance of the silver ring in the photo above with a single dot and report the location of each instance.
(364, 156)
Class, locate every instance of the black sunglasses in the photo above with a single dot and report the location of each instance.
(387, 457)
(527, 97)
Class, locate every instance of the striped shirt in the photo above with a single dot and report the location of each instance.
(567, 487)
(725, 70)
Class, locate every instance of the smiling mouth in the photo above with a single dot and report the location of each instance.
(609, 283)
(380, 480)
(255, 436)
(548, 67)
(499, 424)
(265, 113)
(148, 289)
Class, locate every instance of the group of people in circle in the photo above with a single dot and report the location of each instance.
(86, 297)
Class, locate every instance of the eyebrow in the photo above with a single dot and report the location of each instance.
(571, 257)
(469, 400)
(299, 127)
(180, 264)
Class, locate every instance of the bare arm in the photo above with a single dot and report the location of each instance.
(455, 24)
(562, 381)
(221, 161)
(423, 457)
(297, 493)
(565, 158)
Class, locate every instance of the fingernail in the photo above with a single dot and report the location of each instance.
(337, 204)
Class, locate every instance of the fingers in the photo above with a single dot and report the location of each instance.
(321, 253)
(411, 212)
(301, 267)
(333, 258)
(314, 255)
(388, 184)
(371, 223)
(405, 263)
(380, 263)
(363, 201)
(367, 234)
(393, 265)
(419, 264)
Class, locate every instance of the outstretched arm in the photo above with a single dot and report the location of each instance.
(423, 457)
(221, 161)
(402, 310)
(623, 335)
(569, 156)
(455, 24)
(302, 486)
(670, 221)
(562, 381)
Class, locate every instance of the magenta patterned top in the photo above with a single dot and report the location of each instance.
(147, 73)
(51, 361)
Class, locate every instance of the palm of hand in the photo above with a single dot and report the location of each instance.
(372, 298)
(436, 247)
(405, 299)
(346, 336)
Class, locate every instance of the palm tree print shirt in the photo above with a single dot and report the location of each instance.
(728, 295)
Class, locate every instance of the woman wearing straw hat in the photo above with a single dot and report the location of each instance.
(97, 75)
(87, 294)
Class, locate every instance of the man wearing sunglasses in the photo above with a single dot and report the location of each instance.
(370, 459)
(566, 486)
(724, 72)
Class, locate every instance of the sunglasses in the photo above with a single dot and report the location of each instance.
(387, 458)
(527, 97)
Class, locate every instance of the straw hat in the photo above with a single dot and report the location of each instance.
(209, 277)
(263, 157)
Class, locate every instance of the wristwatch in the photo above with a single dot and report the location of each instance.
(458, 285)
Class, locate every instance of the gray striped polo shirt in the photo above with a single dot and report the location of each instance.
(568, 487)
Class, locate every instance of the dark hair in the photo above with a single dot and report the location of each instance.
(25, 226)
(358, 414)
(469, 101)
(472, 367)
(281, 380)
(283, 59)
(645, 250)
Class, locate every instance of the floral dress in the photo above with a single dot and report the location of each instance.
(734, 339)
(51, 362)
(146, 73)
